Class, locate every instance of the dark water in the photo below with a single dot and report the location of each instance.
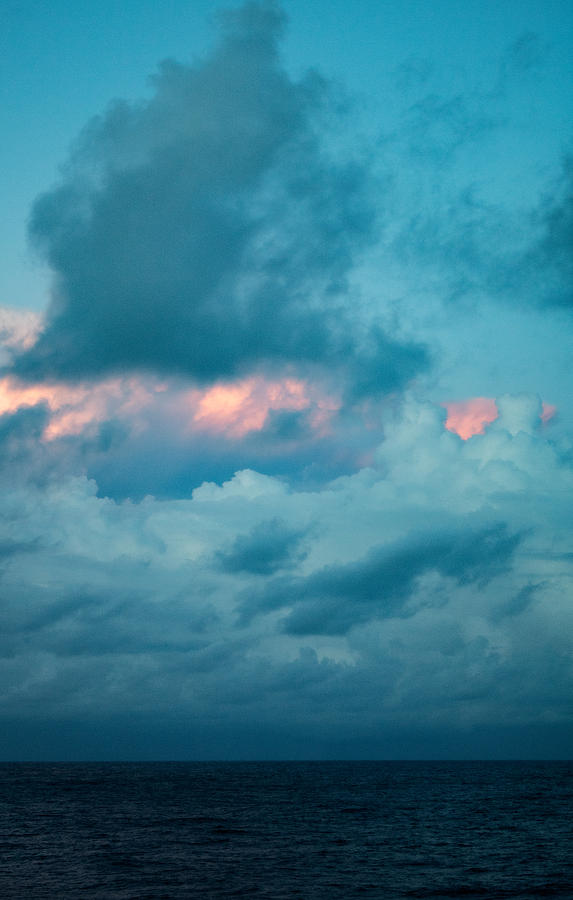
(282, 830)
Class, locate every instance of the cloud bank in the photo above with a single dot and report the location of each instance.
(417, 595)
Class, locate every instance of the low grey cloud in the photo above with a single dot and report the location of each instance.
(211, 231)
(518, 603)
(336, 598)
(270, 546)
(9, 549)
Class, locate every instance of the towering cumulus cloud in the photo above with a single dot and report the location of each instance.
(210, 232)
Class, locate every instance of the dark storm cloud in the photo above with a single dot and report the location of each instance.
(334, 599)
(69, 616)
(268, 547)
(210, 231)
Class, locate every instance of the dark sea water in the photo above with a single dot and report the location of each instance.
(261, 830)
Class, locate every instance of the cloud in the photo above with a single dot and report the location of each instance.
(547, 265)
(269, 547)
(211, 231)
(518, 603)
(476, 250)
(20, 434)
(141, 435)
(436, 127)
(523, 57)
(482, 209)
(469, 417)
(429, 589)
(336, 598)
(18, 328)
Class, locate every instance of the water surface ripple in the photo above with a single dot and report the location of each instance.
(284, 830)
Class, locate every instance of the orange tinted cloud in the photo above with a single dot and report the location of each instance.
(548, 412)
(14, 395)
(231, 409)
(238, 407)
(75, 409)
(469, 417)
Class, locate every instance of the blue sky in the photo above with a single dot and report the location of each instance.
(286, 392)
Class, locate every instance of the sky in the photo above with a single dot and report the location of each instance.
(286, 391)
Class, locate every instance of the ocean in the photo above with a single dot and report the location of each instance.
(427, 830)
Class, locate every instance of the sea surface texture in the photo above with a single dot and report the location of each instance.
(285, 830)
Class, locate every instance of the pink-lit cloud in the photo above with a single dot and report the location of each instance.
(76, 409)
(469, 417)
(237, 408)
(231, 409)
(548, 412)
